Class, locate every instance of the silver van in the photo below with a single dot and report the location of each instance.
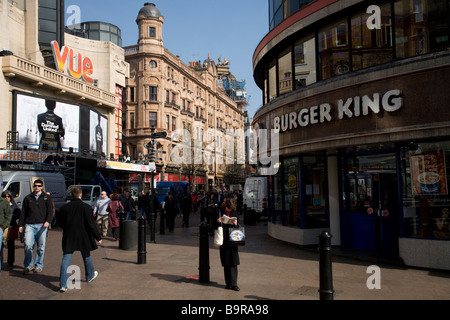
(20, 183)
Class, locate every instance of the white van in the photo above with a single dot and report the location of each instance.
(20, 184)
(90, 193)
(256, 195)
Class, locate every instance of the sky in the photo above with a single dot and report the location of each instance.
(193, 29)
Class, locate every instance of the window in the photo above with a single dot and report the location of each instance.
(153, 64)
(174, 123)
(131, 94)
(14, 188)
(272, 81)
(153, 93)
(333, 50)
(167, 96)
(305, 62)
(131, 120)
(285, 71)
(371, 46)
(152, 32)
(152, 119)
(167, 122)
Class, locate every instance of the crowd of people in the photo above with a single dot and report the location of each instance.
(84, 228)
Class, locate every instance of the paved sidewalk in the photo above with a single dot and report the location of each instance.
(269, 270)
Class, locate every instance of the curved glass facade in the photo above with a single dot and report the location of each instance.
(406, 28)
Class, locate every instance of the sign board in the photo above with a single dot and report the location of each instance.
(157, 135)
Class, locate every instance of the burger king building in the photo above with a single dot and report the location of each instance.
(356, 92)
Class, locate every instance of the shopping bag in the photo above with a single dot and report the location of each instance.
(218, 237)
(237, 236)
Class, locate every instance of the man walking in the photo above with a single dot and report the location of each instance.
(102, 214)
(36, 216)
(79, 234)
(5, 219)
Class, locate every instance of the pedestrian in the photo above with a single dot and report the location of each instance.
(102, 215)
(143, 203)
(171, 210)
(35, 219)
(128, 205)
(229, 256)
(13, 232)
(194, 200)
(5, 220)
(239, 202)
(80, 233)
(115, 209)
(186, 206)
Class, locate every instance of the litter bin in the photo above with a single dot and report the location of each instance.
(129, 240)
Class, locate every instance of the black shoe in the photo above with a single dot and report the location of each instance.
(227, 286)
(235, 288)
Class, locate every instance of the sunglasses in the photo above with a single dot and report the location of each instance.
(6, 197)
(38, 186)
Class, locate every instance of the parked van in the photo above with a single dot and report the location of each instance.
(20, 184)
(164, 187)
(91, 193)
(256, 195)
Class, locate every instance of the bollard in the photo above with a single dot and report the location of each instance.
(326, 279)
(204, 253)
(162, 227)
(121, 218)
(141, 252)
(152, 227)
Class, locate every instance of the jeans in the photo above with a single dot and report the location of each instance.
(65, 264)
(1, 242)
(128, 215)
(34, 233)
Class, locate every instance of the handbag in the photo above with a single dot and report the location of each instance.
(5, 235)
(237, 236)
(218, 237)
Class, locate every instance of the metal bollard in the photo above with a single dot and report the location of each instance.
(204, 253)
(326, 279)
(142, 248)
(152, 227)
(162, 226)
(121, 219)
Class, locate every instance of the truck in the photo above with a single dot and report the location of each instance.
(91, 193)
(256, 195)
(164, 187)
(20, 184)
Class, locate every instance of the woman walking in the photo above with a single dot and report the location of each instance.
(115, 208)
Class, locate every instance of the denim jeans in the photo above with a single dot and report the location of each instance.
(65, 264)
(34, 233)
(1, 242)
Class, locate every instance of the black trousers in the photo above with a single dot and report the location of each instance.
(231, 275)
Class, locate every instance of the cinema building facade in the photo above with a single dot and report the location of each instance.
(357, 92)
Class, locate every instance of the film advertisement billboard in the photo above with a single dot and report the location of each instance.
(46, 124)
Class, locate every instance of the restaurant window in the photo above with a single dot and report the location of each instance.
(314, 181)
(291, 191)
(371, 46)
(285, 71)
(426, 201)
(421, 27)
(333, 50)
(305, 62)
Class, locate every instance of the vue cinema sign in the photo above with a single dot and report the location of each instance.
(74, 64)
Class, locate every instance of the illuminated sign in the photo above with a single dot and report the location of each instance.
(74, 64)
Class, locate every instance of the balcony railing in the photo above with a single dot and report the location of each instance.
(29, 71)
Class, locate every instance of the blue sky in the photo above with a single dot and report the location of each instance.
(193, 29)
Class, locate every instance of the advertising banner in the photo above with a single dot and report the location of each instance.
(428, 174)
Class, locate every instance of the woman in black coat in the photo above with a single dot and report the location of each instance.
(171, 209)
(229, 256)
(80, 233)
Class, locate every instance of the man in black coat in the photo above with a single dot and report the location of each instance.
(79, 234)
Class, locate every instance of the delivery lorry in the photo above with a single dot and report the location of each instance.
(20, 184)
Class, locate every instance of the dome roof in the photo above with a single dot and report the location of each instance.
(149, 10)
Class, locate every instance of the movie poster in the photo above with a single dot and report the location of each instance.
(428, 174)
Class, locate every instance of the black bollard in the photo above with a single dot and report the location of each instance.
(326, 279)
(121, 219)
(162, 227)
(142, 250)
(204, 253)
